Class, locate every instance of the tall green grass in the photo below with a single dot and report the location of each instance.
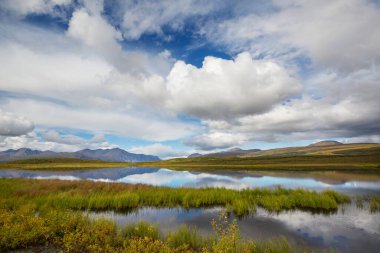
(51, 230)
(86, 195)
(374, 204)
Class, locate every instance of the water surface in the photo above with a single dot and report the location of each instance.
(348, 230)
(231, 180)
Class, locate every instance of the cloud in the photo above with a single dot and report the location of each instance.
(149, 17)
(54, 136)
(225, 89)
(22, 8)
(363, 139)
(67, 74)
(54, 141)
(88, 77)
(89, 26)
(94, 31)
(158, 149)
(149, 127)
(339, 34)
(70, 139)
(14, 125)
(217, 140)
(338, 107)
(78, 89)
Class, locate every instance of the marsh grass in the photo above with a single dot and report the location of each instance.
(372, 201)
(53, 230)
(142, 229)
(96, 196)
(190, 237)
(359, 201)
(374, 204)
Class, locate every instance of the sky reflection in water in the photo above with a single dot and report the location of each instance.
(171, 178)
(348, 230)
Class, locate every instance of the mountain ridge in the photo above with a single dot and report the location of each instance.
(109, 155)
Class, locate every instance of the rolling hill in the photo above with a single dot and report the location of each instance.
(319, 148)
(229, 152)
(332, 157)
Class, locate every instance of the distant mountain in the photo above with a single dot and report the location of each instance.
(194, 155)
(325, 143)
(114, 155)
(15, 154)
(229, 152)
(110, 155)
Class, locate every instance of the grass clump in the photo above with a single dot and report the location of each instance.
(142, 229)
(374, 204)
(25, 228)
(97, 196)
(359, 201)
(188, 237)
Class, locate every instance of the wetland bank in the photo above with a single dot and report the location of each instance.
(326, 202)
(157, 209)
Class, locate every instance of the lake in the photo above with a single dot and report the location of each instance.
(350, 229)
(352, 185)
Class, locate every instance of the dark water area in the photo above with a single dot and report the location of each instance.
(348, 230)
(231, 180)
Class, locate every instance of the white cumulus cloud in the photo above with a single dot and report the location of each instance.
(217, 140)
(14, 125)
(229, 88)
(158, 149)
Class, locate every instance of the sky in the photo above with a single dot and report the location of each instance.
(171, 78)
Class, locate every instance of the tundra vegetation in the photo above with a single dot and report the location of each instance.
(49, 214)
(96, 196)
(39, 215)
(33, 229)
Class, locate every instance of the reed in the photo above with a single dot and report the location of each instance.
(51, 230)
(374, 204)
(97, 196)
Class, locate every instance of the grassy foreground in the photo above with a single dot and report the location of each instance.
(87, 195)
(46, 215)
(53, 230)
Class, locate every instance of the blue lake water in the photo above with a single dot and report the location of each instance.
(348, 230)
(171, 178)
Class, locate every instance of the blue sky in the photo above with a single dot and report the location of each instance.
(171, 78)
